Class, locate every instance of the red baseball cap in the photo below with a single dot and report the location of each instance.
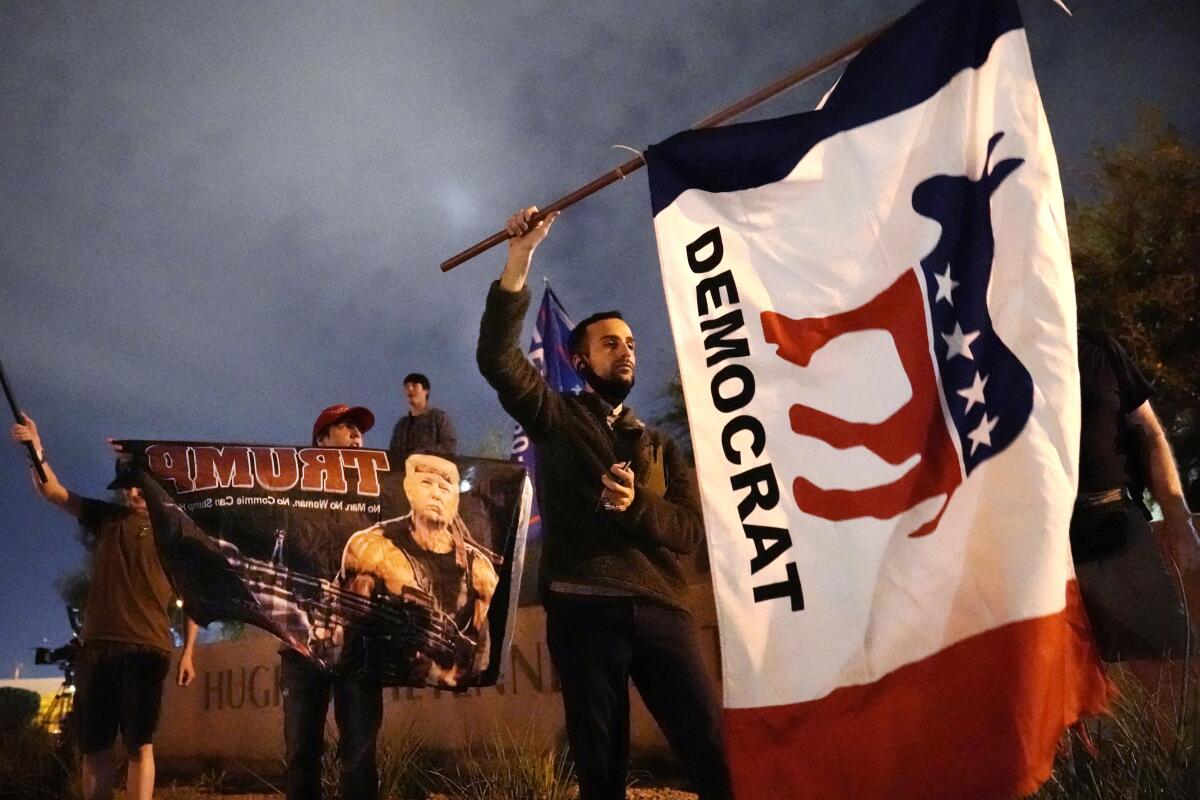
(362, 417)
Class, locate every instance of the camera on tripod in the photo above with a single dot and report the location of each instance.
(66, 656)
(62, 656)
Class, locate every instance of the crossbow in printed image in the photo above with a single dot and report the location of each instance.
(427, 558)
(398, 632)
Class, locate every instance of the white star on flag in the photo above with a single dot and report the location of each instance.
(945, 286)
(982, 433)
(959, 343)
(974, 393)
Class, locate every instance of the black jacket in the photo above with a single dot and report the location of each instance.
(636, 550)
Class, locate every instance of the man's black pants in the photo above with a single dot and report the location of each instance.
(358, 710)
(598, 645)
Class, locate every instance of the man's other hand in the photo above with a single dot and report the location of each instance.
(186, 672)
(1178, 536)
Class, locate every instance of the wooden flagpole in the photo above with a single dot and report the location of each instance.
(16, 412)
(711, 121)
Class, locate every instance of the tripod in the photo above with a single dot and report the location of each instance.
(57, 716)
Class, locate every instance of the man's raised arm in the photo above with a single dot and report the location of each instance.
(522, 390)
(52, 489)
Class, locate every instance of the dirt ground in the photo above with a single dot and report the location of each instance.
(191, 794)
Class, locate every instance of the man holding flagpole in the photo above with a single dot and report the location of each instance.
(620, 508)
(127, 640)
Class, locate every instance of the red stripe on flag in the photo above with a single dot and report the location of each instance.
(980, 719)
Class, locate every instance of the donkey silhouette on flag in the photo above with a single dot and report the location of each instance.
(969, 401)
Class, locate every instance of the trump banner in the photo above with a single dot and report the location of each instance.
(874, 319)
(408, 572)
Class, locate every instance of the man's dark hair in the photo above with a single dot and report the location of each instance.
(575, 342)
(416, 377)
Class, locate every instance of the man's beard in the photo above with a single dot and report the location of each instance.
(613, 391)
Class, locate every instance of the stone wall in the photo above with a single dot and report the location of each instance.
(231, 717)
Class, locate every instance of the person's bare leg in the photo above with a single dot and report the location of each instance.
(1166, 684)
(139, 782)
(99, 775)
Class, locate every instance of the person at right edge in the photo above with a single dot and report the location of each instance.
(1129, 582)
(619, 507)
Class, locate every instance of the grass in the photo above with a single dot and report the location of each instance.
(405, 766)
(1148, 748)
(506, 767)
(510, 767)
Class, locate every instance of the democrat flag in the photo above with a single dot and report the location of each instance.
(874, 318)
(549, 354)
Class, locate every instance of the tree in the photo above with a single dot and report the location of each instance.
(73, 586)
(1136, 253)
(675, 419)
(496, 442)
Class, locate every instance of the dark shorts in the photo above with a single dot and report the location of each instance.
(1132, 595)
(118, 688)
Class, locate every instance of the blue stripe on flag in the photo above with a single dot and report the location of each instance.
(888, 76)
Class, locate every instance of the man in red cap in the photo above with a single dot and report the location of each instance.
(342, 426)
(357, 701)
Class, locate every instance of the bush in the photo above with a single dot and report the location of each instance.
(32, 767)
(18, 708)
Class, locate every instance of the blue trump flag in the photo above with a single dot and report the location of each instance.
(549, 354)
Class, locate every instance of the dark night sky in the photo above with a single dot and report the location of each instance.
(218, 218)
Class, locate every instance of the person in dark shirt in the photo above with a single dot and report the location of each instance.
(1131, 594)
(620, 508)
(424, 429)
(126, 636)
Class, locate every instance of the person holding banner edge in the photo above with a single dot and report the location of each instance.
(306, 690)
(127, 641)
(620, 508)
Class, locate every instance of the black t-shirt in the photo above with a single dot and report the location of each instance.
(127, 601)
(1111, 387)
